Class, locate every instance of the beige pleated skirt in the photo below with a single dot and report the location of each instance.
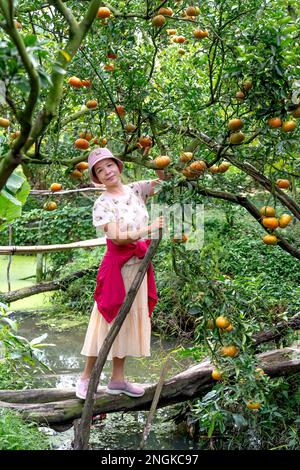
(134, 337)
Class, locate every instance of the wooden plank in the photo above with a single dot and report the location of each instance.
(21, 250)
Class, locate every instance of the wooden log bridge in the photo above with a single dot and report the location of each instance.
(59, 408)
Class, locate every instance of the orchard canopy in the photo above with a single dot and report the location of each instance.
(209, 90)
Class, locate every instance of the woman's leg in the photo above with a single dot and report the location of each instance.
(118, 369)
(89, 364)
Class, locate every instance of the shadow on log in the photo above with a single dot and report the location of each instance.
(59, 408)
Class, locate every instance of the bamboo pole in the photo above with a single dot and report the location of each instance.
(11, 250)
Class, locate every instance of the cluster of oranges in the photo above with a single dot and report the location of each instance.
(270, 221)
(286, 126)
(85, 137)
(230, 350)
(198, 167)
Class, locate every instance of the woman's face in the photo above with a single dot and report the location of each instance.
(107, 172)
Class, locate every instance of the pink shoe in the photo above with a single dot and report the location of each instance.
(114, 388)
(82, 388)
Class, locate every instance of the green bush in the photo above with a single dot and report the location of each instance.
(17, 434)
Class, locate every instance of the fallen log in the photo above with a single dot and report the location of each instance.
(61, 407)
(279, 330)
(49, 286)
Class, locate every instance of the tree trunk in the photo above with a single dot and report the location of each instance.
(59, 408)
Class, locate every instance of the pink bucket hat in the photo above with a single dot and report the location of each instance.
(101, 153)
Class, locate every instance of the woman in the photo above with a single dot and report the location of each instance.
(121, 213)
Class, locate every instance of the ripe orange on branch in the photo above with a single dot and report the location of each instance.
(120, 110)
(283, 184)
(200, 34)
(50, 206)
(130, 128)
(222, 322)
(81, 166)
(192, 11)
(296, 112)
(76, 174)
(270, 222)
(82, 144)
(179, 39)
(4, 122)
(162, 161)
(91, 104)
(247, 85)
(165, 11)
(109, 67)
(240, 95)
(275, 122)
(230, 351)
(284, 220)
(75, 82)
(235, 124)
(253, 405)
(216, 375)
(223, 167)
(198, 166)
(267, 211)
(103, 12)
(237, 138)
(158, 21)
(186, 157)
(270, 240)
(145, 141)
(86, 83)
(289, 126)
(55, 187)
(85, 135)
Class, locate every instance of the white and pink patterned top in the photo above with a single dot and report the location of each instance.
(128, 210)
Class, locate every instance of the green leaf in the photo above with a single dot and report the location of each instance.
(14, 183)
(30, 40)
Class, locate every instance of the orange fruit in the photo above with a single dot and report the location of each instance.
(76, 174)
(187, 172)
(86, 83)
(253, 405)
(182, 239)
(4, 122)
(284, 220)
(50, 206)
(186, 157)
(192, 11)
(237, 138)
(145, 141)
(75, 82)
(91, 104)
(55, 187)
(120, 110)
(18, 25)
(270, 222)
(171, 32)
(197, 166)
(162, 161)
(230, 351)
(296, 112)
(247, 85)
(283, 184)
(111, 55)
(200, 33)
(85, 135)
(109, 67)
(96, 141)
(16, 134)
(223, 167)
(216, 375)
(222, 322)
(229, 328)
(158, 21)
(267, 211)
(181, 51)
(179, 39)
(81, 166)
(259, 372)
(270, 240)
(165, 11)
(103, 12)
(275, 122)
(213, 169)
(82, 144)
(210, 324)
(288, 126)
(104, 141)
(235, 124)
(240, 96)
(130, 128)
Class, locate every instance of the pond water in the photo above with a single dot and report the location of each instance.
(117, 430)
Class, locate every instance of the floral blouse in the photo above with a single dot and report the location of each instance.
(128, 210)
